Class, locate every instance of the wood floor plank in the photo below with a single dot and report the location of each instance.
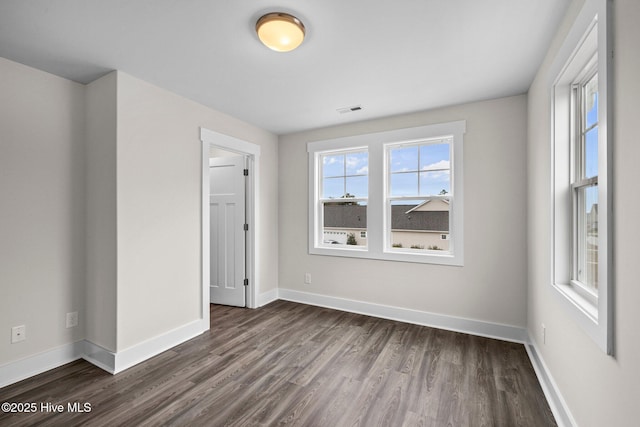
(289, 364)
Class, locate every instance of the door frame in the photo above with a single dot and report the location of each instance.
(238, 186)
(210, 139)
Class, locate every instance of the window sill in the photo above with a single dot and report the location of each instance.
(419, 258)
(579, 301)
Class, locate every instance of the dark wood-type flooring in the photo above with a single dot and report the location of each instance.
(294, 364)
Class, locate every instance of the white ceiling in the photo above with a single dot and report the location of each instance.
(391, 57)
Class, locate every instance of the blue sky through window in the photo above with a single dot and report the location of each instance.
(591, 138)
(420, 170)
(416, 170)
(345, 174)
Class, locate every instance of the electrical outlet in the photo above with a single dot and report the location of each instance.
(18, 333)
(544, 334)
(307, 278)
(72, 319)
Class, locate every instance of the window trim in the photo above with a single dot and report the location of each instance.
(376, 143)
(388, 197)
(592, 311)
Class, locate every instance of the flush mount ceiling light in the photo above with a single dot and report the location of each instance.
(280, 31)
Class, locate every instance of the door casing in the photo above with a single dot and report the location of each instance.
(208, 139)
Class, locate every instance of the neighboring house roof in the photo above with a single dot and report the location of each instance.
(402, 218)
(345, 216)
(431, 205)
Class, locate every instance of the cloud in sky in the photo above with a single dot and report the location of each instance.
(442, 164)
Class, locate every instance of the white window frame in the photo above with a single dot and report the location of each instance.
(376, 144)
(415, 197)
(588, 38)
(320, 201)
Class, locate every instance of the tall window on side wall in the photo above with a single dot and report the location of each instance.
(582, 174)
(394, 195)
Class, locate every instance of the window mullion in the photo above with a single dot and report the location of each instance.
(344, 175)
(418, 174)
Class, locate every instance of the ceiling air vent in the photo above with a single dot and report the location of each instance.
(351, 109)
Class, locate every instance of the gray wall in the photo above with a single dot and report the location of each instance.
(599, 390)
(101, 209)
(159, 203)
(42, 203)
(492, 284)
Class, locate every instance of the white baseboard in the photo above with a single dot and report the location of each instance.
(19, 370)
(102, 358)
(124, 359)
(267, 297)
(441, 321)
(147, 349)
(99, 356)
(551, 391)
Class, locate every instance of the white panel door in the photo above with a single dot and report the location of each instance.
(227, 219)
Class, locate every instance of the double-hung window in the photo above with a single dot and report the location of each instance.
(394, 195)
(585, 182)
(419, 195)
(582, 263)
(342, 201)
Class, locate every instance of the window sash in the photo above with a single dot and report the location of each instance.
(323, 201)
(578, 113)
(581, 183)
(389, 244)
(580, 250)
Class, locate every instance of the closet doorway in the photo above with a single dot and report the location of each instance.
(236, 251)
